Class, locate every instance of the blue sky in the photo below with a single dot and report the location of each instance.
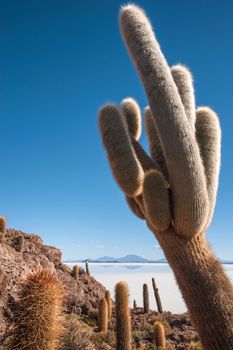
(59, 62)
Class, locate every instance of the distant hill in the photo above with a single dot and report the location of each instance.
(130, 258)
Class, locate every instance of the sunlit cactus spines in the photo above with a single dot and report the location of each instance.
(159, 336)
(109, 303)
(103, 316)
(38, 314)
(120, 151)
(184, 82)
(208, 133)
(75, 272)
(170, 115)
(2, 229)
(123, 321)
(132, 114)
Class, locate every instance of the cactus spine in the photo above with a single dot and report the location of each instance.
(146, 303)
(109, 302)
(87, 268)
(159, 336)
(103, 316)
(75, 272)
(123, 322)
(157, 296)
(39, 313)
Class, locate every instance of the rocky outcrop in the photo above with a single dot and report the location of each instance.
(82, 296)
(21, 256)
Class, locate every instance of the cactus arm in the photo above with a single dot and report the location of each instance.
(123, 161)
(156, 150)
(180, 147)
(207, 291)
(133, 205)
(146, 162)
(208, 134)
(156, 200)
(183, 80)
(132, 114)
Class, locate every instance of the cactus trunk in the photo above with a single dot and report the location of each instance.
(159, 336)
(87, 268)
(103, 316)
(157, 296)
(205, 288)
(123, 322)
(146, 303)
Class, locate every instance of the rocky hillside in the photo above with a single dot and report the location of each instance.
(22, 253)
(82, 295)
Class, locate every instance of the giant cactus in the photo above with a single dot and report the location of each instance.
(174, 190)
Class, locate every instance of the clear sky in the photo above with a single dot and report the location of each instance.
(59, 62)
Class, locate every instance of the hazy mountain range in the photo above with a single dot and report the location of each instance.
(130, 258)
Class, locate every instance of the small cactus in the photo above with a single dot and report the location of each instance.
(109, 302)
(2, 229)
(157, 297)
(123, 322)
(159, 336)
(87, 268)
(103, 316)
(18, 243)
(75, 272)
(146, 304)
(38, 313)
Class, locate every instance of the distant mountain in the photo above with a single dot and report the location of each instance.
(227, 262)
(130, 258)
(105, 258)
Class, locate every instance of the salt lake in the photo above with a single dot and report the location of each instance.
(136, 274)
